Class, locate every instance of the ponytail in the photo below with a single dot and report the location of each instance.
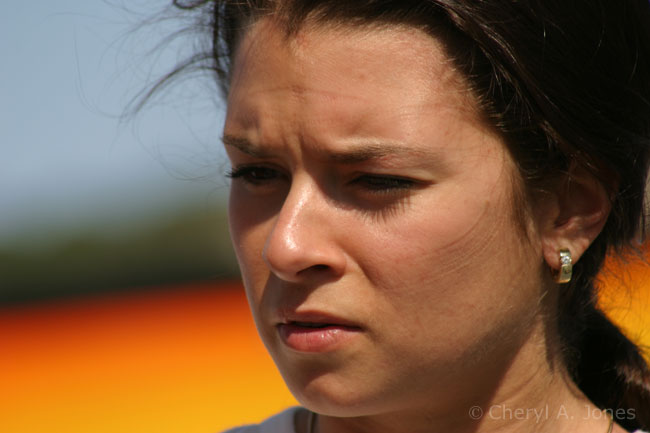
(609, 368)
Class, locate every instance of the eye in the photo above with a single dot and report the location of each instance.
(255, 175)
(383, 184)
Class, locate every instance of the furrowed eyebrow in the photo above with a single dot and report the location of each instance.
(369, 152)
(244, 146)
(357, 155)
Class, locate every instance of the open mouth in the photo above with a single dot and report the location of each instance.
(311, 324)
(320, 325)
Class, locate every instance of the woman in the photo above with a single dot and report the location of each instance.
(422, 194)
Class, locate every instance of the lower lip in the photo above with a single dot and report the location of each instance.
(306, 339)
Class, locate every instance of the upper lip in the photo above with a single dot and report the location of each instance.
(313, 316)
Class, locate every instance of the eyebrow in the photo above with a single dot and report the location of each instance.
(356, 155)
(244, 146)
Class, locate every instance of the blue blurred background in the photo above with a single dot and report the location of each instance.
(93, 198)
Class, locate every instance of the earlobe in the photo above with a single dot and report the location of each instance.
(577, 212)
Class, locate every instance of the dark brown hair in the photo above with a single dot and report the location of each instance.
(567, 84)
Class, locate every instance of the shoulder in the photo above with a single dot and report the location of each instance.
(279, 423)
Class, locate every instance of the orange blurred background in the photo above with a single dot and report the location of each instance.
(182, 359)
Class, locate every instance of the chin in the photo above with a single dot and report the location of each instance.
(331, 402)
(333, 393)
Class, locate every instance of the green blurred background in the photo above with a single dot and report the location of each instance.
(189, 244)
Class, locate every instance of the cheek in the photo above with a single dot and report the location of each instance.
(248, 226)
(456, 258)
(455, 287)
(444, 236)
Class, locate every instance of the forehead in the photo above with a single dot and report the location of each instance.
(378, 54)
(334, 82)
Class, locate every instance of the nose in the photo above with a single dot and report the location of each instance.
(302, 244)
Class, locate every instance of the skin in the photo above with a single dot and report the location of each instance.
(365, 185)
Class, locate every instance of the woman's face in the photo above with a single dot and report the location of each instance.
(372, 216)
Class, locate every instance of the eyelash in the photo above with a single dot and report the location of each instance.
(383, 184)
(375, 184)
(251, 174)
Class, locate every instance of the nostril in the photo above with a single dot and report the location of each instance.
(314, 270)
(317, 268)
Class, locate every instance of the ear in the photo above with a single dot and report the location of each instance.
(573, 215)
